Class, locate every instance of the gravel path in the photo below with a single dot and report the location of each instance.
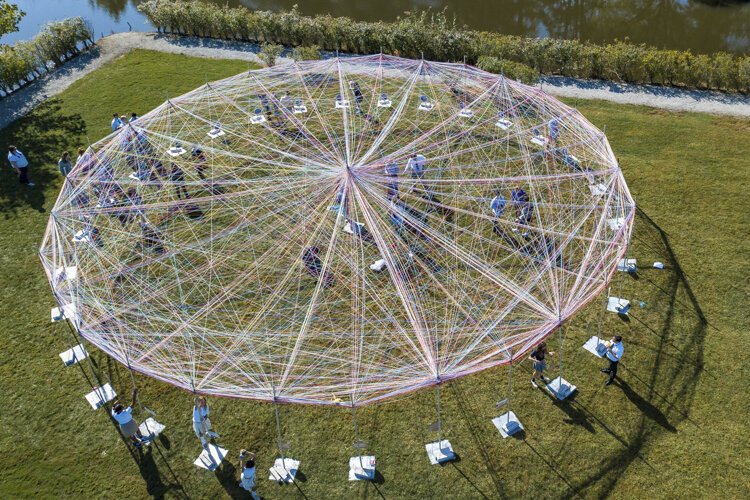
(114, 46)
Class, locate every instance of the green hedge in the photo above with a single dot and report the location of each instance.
(434, 36)
(511, 69)
(57, 43)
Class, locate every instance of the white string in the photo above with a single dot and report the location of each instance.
(203, 269)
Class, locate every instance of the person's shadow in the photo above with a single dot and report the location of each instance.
(644, 406)
(155, 487)
(229, 480)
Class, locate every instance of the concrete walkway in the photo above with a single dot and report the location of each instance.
(114, 46)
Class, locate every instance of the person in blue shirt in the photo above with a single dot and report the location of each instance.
(519, 197)
(497, 205)
(614, 355)
(391, 170)
(116, 122)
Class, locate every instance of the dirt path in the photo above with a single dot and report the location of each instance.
(114, 46)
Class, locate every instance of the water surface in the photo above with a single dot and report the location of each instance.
(678, 24)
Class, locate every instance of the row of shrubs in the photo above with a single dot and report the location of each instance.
(55, 44)
(432, 35)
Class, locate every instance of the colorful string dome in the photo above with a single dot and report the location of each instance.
(338, 231)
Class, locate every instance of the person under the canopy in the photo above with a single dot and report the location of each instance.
(391, 171)
(416, 166)
(497, 205)
(314, 266)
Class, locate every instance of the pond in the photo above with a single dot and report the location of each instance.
(702, 26)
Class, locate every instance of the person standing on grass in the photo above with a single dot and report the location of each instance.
(247, 472)
(116, 122)
(128, 426)
(21, 164)
(416, 167)
(201, 423)
(177, 176)
(539, 363)
(614, 355)
(133, 117)
(82, 156)
(64, 164)
(497, 205)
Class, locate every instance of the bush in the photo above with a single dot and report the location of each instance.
(56, 43)
(306, 53)
(433, 35)
(744, 73)
(511, 69)
(269, 52)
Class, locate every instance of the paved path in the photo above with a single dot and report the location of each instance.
(114, 46)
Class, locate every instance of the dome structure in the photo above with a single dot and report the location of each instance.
(339, 230)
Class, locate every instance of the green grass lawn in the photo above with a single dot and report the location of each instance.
(675, 425)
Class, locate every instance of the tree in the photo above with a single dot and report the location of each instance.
(10, 16)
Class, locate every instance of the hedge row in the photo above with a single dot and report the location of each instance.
(434, 36)
(57, 43)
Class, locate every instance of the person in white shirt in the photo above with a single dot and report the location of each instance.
(416, 166)
(116, 122)
(124, 417)
(82, 156)
(247, 472)
(201, 423)
(19, 162)
(614, 355)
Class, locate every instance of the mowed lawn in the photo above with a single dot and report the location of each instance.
(674, 426)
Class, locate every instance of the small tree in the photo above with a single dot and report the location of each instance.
(10, 16)
(269, 52)
(306, 53)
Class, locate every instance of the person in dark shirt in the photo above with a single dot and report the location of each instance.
(314, 266)
(177, 176)
(538, 359)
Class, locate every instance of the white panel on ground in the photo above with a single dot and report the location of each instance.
(82, 236)
(211, 457)
(101, 395)
(150, 427)
(440, 451)
(284, 470)
(598, 189)
(60, 313)
(362, 468)
(561, 388)
(616, 223)
(508, 424)
(73, 355)
(66, 273)
(627, 265)
(618, 305)
(595, 345)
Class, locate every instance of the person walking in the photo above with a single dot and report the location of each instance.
(64, 164)
(19, 162)
(128, 426)
(614, 355)
(247, 472)
(539, 363)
